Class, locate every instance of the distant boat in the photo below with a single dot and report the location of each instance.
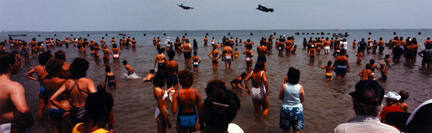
(10, 35)
(122, 34)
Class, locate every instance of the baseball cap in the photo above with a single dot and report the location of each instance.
(392, 96)
(369, 92)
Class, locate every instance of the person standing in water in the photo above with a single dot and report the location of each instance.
(116, 53)
(249, 60)
(259, 90)
(187, 51)
(341, 65)
(196, 60)
(188, 102)
(171, 67)
(214, 55)
(13, 105)
(160, 94)
(329, 68)
(292, 96)
(110, 80)
(160, 60)
(52, 82)
(262, 51)
(77, 89)
(228, 56)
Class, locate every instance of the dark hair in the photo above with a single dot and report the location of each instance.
(387, 56)
(371, 61)
(368, 66)
(329, 63)
(79, 68)
(98, 107)
(243, 75)
(219, 110)
(60, 55)
(214, 86)
(259, 66)
(186, 78)
(6, 59)
(124, 62)
(195, 53)
(293, 75)
(404, 95)
(107, 69)
(53, 67)
(159, 80)
(152, 71)
(43, 58)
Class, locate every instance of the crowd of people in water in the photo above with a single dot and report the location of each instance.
(71, 102)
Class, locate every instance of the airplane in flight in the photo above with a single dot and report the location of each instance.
(185, 7)
(264, 9)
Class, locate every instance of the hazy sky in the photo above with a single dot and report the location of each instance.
(108, 15)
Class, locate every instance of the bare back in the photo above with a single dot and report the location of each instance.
(78, 90)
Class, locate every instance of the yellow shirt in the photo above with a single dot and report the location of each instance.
(100, 130)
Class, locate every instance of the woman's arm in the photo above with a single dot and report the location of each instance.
(265, 83)
(53, 98)
(29, 74)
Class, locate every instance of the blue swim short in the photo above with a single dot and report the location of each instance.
(291, 117)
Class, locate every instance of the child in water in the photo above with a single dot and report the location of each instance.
(196, 60)
(387, 60)
(128, 67)
(236, 53)
(149, 76)
(329, 68)
(383, 70)
(359, 57)
(110, 80)
(404, 96)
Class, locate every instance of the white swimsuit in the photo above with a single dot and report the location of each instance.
(259, 93)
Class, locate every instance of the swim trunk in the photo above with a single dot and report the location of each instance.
(327, 48)
(248, 59)
(55, 113)
(214, 61)
(258, 93)
(116, 55)
(172, 80)
(340, 69)
(42, 91)
(77, 115)
(291, 117)
(160, 65)
(5, 128)
(187, 55)
(195, 64)
(262, 58)
(228, 59)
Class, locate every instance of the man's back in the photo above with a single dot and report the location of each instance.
(361, 124)
(12, 97)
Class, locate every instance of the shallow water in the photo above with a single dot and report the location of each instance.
(327, 103)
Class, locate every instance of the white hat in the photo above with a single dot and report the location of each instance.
(392, 95)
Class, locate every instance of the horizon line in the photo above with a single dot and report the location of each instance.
(213, 30)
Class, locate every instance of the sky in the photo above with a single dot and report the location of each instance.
(150, 15)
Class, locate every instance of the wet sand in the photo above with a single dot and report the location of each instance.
(327, 103)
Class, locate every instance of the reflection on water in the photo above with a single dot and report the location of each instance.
(326, 102)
